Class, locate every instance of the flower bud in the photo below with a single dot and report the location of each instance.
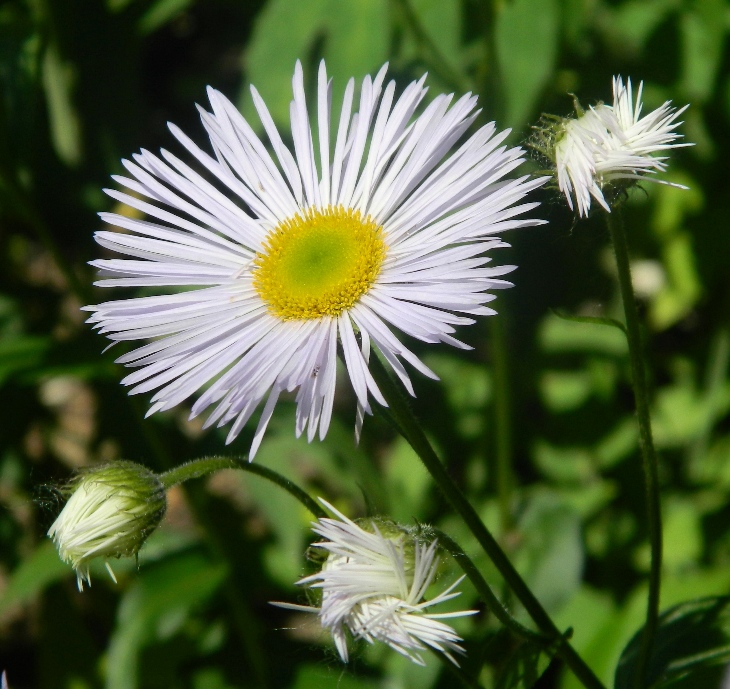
(606, 149)
(111, 511)
(373, 584)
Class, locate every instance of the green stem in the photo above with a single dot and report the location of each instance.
(241, 614)
(207, 465)
(486, 593)
(504, 479)
(403, 419)
(648, 454)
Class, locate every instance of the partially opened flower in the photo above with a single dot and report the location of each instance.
(274, 261)
(373, 586)
(111, 511)
(608, 148)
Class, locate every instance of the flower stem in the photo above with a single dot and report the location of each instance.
(401, 416)
(207, 465)
(648, 454)
(486, 593)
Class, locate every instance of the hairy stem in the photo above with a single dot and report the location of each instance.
(648, 454)
(485, 591)
(207, 465)
(401, 416)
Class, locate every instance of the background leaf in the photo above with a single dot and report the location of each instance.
(692, 647)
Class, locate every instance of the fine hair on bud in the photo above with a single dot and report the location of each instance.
(372, 585)
(109, 513)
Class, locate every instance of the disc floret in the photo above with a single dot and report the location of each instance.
(319, 263)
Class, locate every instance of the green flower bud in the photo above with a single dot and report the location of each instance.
(111, 511)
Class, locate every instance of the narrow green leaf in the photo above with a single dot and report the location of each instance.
(154, 607)
(590, 319)
(703, 31)
(351, 36)
(160, 13)
(59, 79)
(281, 35)
(526, 36)
(32, 576)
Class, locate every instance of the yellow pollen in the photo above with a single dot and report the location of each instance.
(318, 263)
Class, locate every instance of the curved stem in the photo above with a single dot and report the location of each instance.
(648, 454)
(207, 465)
(485, 591)
(402, 418)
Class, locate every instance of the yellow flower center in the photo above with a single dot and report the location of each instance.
(318, 263)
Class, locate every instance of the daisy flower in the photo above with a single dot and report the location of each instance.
(274, 261)
(111, 511)
(373, 585)
(610, 147)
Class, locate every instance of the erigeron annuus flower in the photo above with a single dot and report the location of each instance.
(374, 230)
(373, 584)
(609, 147)
(111, 511)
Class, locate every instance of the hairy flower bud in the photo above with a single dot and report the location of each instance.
(111, 511)
(373, 584)
(608, 148)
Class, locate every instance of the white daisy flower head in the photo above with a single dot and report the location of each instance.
(373, 585)
(378, 228)
(609, 148)
(110, 512)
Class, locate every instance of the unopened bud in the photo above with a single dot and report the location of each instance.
(111, 511)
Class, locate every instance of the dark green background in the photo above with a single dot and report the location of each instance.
(85, 83)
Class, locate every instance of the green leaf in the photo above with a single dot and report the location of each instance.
(558, 335)
(24, 353)
(591, 319)
(703, 34)
(523, 668)
(691, 649)
(59, 79)
(154, 608)
(442, 23)
(635, 21)
(407, 482)
(354, 41)
(160, 13)
(281, 35)
(551, 555)
(32, 576)
(526, 36)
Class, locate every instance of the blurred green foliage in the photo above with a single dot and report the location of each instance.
(83, 84)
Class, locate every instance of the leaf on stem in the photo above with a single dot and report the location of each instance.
(691, 648)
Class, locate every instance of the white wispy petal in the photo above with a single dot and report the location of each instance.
(372, 590)
(205, 223)
(613, 142)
